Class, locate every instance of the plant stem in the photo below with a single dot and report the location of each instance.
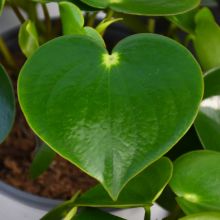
(91, 19)
(147, 213)
(6, 53)
(47, 19)
(151, 25)
(109, 14)
(18, 14)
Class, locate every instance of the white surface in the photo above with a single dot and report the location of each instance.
(11, 210)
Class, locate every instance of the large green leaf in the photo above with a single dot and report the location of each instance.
(207, 39)
(208, 120)
(203, 216)
(28, 38)
(104, 112)
(196, 181)
(141, 191)
(95, 214)
(146, 7)
(7, 104)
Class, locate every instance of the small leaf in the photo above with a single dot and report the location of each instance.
(42, 161)
(147, 7)
(61, 210)
(203, 216)
(95, 214)
(141, 191)
(208, 51)
(73, 22)
(208, 120)
(89, 101)
(185, 21)
(7, 104)
(91, 32)
(101, 28)
(2, 3)
(72, 18)
(196, 181)
(28, 38)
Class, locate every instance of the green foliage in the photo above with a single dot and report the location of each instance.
(7, 104)
(208, 120)
(82, 113)
(147, 7)
(207, 39)
(28, 38)
(203, 216)
(196, 181)
(115, 111)
(141, 191)
(42, 160)
(73, 22)
(94, 214)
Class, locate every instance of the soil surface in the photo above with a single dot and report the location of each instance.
(61, 181)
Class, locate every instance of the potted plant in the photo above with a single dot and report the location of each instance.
(140, 117)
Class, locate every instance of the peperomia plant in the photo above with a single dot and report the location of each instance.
(115, 113)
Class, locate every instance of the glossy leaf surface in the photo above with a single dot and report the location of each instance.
(203, 216)
(208, 120)
(129, 108)
(42, 161)
(196, 181)
(141, 191)
(95, 214)
(28, 38)
(7, 104)
(146, 7)
(208, 51)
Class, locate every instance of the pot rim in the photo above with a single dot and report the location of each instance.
(28, 199)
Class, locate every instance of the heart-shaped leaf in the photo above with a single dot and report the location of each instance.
(147, 7)
(208, 120)
(196, 181)
(208, 51)
(111, 115)
(141, 191)
(203, 216)
(7, 104)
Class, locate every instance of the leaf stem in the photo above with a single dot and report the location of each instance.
(18, 13)
(6, 53)
(47, 20)
(147, 213)
(109, 14)
(91, 19)
(151, 25)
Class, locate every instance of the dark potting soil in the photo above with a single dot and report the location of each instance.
(61, 181)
